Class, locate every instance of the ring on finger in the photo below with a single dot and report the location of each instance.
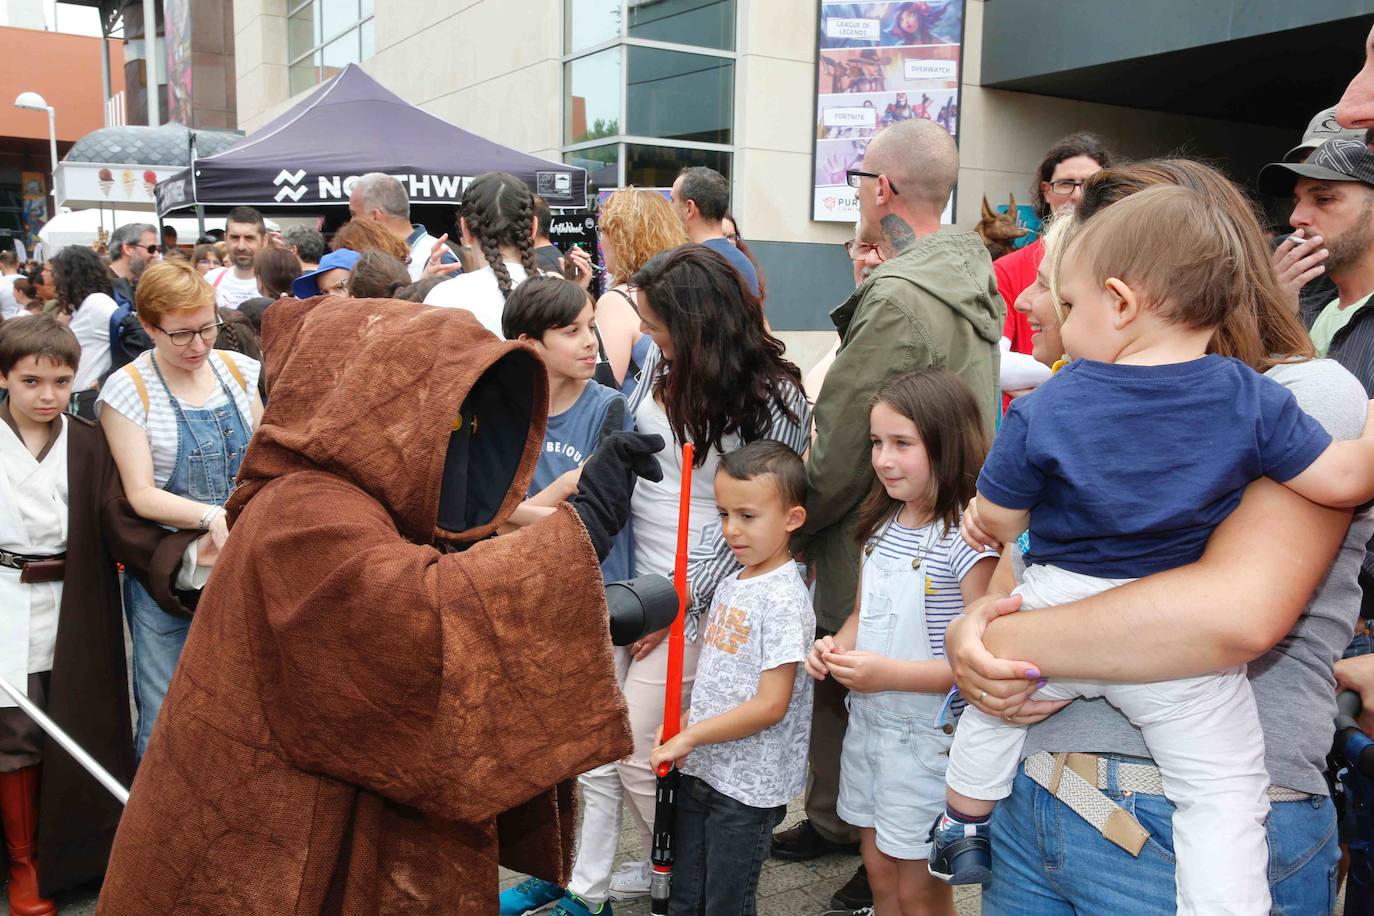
(982, 695)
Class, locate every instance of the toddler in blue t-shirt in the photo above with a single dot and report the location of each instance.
(1122, 466)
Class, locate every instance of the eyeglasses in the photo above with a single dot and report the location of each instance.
(853, 176)
(1065, 185)
(858, 251)
(151, 249)
(732, 236)
(183, 338)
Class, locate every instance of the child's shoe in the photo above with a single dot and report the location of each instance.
(573, 905)
(529, 896)
(631, 881)
(960, 853)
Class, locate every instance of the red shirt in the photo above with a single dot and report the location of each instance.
(1015, 272)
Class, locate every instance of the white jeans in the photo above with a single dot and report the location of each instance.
(1202, 732)
(604, 787)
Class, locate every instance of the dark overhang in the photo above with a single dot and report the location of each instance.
(1274, 62)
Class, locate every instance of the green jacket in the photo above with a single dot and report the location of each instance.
(935, 304)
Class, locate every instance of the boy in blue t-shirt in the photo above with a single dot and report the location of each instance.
(1122, 465)
(557, 317)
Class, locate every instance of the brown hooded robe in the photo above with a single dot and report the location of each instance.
(361, 723)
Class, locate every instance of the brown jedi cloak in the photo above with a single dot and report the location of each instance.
(361, 723)
(88, 695)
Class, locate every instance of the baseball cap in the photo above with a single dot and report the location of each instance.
(1322, 128)
(307, 285)
(1334, 160)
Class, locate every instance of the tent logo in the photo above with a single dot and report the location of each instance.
(290, 178)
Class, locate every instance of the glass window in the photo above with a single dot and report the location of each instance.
(602, 164)
(680, 96)
(704, 23)
(589, 22)
(338, 54)
(658, 166)
(592, 100)
(302, 30)
(368, 30)
(339, 16)
(305, 73)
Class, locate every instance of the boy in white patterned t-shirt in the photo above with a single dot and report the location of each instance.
(750, 719)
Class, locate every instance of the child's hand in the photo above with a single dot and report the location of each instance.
(675, 749)
(565, 485)
(971, 529)
(815, 661)
(864, 672)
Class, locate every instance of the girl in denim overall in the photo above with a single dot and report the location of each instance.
(916, 574)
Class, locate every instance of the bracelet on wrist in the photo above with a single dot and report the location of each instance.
(208, 518)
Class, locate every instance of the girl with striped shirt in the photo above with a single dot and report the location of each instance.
(915, 575)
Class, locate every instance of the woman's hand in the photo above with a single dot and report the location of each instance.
(815, 661)
(1298, 260)
(578, 266)
(640, 650)
(435, 266)
(972, 531)
(995, 686)
(862, 672)
(219, 529)
(565, 485)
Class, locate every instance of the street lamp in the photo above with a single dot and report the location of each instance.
(32, 101)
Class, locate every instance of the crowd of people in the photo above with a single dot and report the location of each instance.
(1149, 428)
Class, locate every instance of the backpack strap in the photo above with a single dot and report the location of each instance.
(131, 370)
(233, 368)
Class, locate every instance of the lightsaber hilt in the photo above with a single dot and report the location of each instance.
(54, 731)
(661, 856)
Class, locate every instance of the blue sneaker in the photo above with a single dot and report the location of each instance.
(960, 853)
(573, 905)
(529, 896)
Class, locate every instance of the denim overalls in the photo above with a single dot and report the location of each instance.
(892, 767)
(210, 446)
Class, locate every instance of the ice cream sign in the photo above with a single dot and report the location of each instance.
(81, 184)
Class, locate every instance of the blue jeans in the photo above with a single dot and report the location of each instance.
(721, 845)
(1048, 861)
(157, 639)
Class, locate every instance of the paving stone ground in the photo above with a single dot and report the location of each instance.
(785, 888)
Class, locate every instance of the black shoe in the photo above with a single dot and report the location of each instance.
(855, 895)
(802, 842)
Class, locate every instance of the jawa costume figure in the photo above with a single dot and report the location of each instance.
(368, 717)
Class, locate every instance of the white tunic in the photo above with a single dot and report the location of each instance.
(33, 521)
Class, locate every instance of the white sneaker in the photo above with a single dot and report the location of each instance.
(630, 881)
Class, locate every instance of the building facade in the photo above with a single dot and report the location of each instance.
(636, 89)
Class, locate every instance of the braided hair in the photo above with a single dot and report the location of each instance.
(499, 210)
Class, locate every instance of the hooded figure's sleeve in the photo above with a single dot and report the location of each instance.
(461, 684)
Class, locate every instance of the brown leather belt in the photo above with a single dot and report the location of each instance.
(34, 569)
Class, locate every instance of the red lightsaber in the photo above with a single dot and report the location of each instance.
(665, 794)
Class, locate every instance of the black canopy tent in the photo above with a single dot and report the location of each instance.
(306, 158)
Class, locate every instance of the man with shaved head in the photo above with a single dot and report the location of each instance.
(931, 303)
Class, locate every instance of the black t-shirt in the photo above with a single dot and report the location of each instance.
(547, 257)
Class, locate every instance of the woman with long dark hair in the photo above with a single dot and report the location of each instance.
(84, 286)
(496, 218)
(717, 378)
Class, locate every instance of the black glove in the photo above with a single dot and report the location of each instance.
(608, 479)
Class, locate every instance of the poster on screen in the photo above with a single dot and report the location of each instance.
(878, 64)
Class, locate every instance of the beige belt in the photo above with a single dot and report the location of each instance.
(1078, 780)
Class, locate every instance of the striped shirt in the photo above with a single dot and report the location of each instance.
(710, 560)
(160, 420)
(947, 560)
